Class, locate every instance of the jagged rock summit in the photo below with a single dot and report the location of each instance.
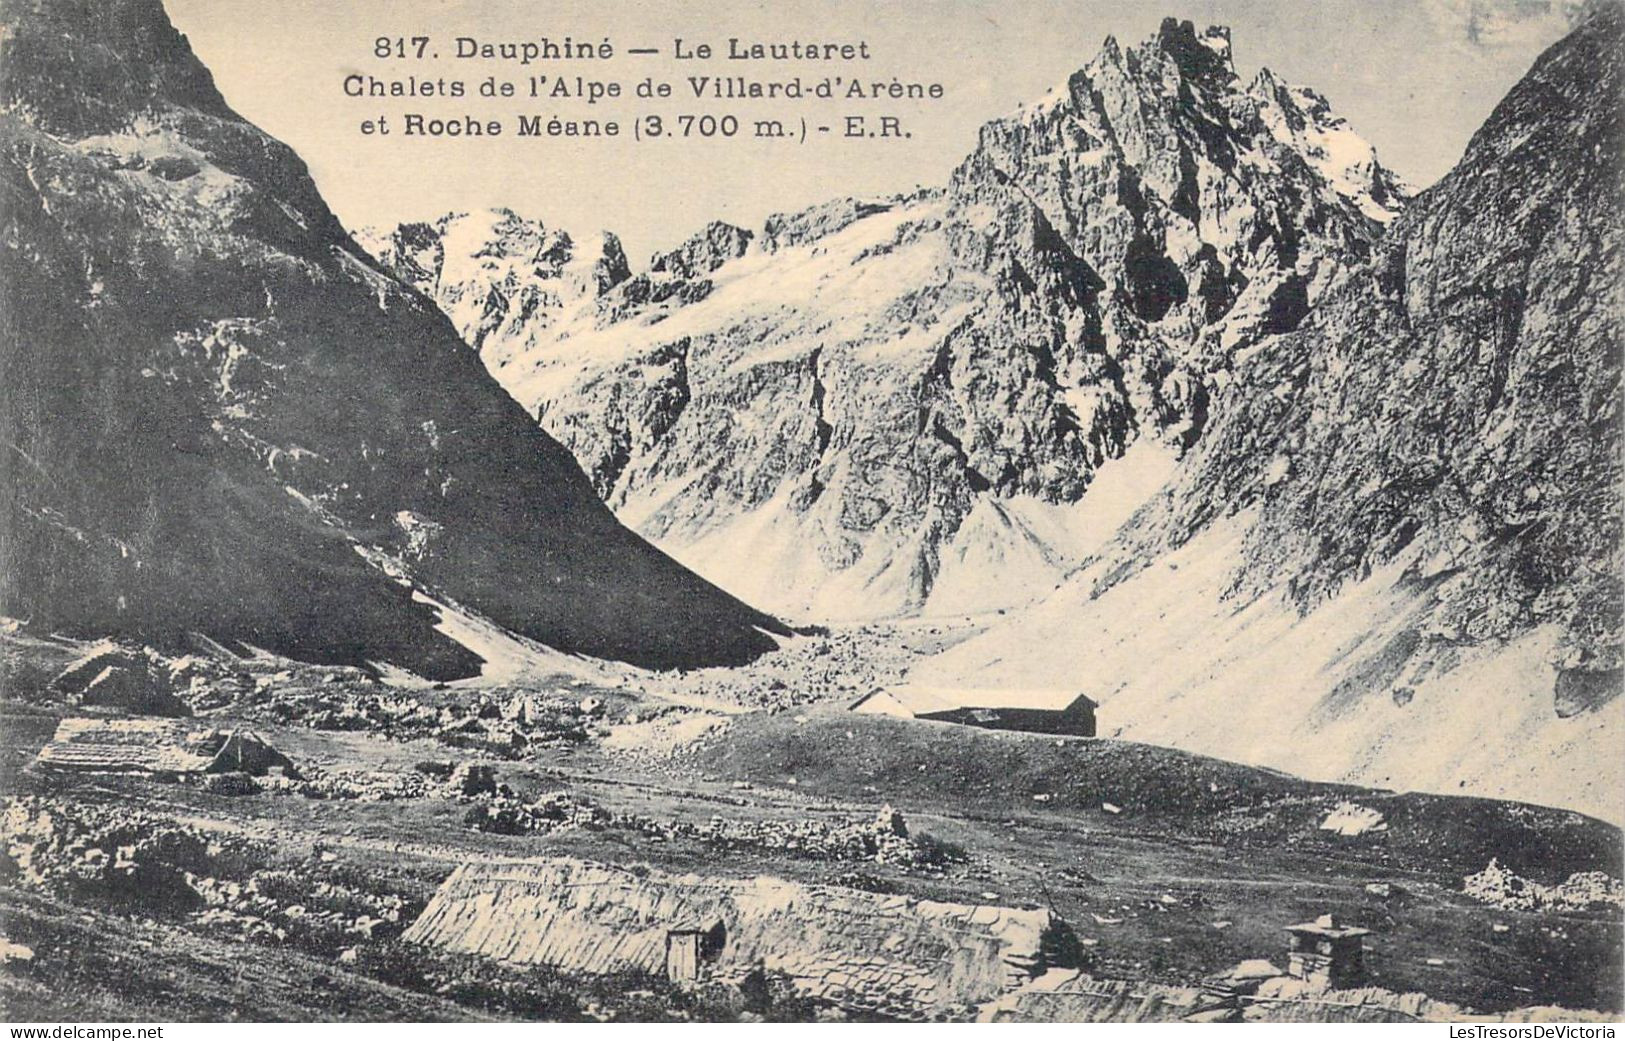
(920, 403)
(220, 416)
(1395, 555)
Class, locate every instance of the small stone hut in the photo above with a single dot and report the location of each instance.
(1326, 953)
(888, 955)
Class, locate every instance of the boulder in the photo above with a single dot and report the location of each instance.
(1583, 690)
(1350, 819)
(473, 779)
(889, 821)
(14, 952)
(1252, 971)
(233, 783)
(1244, 977)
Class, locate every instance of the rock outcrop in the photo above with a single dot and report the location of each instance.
(897, 405)
(1457, 399)
(1394, 556)
(220, 416)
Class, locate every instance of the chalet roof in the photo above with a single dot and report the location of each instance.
(854, 947)
(1327, 925)
(921, 699)
(154, 746)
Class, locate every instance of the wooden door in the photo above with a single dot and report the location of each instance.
(682, 956)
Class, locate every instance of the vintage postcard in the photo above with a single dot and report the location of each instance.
(885, 511)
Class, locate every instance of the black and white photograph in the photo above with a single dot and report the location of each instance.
(625, 512)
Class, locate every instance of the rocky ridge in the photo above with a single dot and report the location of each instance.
(221, 417)
(1395, 555)
(897, 405)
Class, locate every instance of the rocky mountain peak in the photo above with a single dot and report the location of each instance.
(1302, 120)
(494, 271)
(1203, 56)
(704, 252)
(883, 391)
(1410, 502)
(1183, 141)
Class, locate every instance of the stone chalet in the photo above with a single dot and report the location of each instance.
(892, 956)
(1037, 710)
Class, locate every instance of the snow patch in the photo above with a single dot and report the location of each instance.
(1303, 121)
(1174, 659)
(1352, 819)
(510, 658)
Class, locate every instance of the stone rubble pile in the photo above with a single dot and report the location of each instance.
(276, 906)
(155, 865)
(882, 840)
(504, 814)
(144, 681)
(495, 723)
(112, 854)
(1584, 890)
(429, 780)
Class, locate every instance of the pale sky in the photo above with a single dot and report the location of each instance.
(1415, 77)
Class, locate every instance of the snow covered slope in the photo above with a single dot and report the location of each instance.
(1395, 555)
(899, 405)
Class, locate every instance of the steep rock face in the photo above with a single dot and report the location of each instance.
(1458, 398)
(1197, 197)
(897, 405)
(497, 276)
(1395, 555)
(219, 416)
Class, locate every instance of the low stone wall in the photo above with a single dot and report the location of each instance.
(1072, 997)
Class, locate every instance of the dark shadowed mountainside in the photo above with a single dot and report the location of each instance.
(217, 415)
